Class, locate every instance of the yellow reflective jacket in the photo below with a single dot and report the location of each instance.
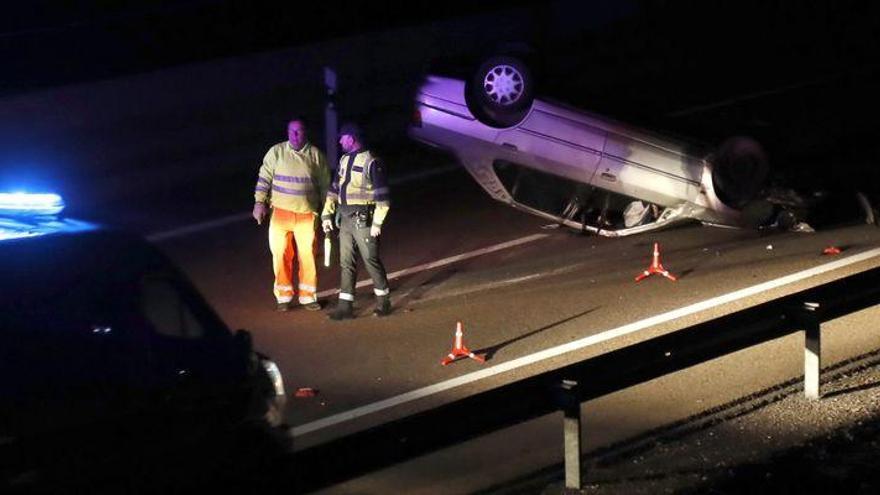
(361, 179)
(293, 180)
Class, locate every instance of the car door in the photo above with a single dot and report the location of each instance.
(646, 169)
(193, 358)
(556, 144)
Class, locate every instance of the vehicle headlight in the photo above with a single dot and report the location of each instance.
(274, 375)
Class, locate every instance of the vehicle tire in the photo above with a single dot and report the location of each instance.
(739, 171)
(501, 91)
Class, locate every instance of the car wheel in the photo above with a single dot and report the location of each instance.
(739, 171)
(501, 91)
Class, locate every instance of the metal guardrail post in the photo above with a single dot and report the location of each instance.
(571, 430)
(809, 318)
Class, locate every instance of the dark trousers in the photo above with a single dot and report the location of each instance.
(354, 235)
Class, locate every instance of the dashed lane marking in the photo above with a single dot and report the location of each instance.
(240, 217)
(445, 261)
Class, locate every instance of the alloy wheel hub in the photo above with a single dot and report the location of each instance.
(503, 85)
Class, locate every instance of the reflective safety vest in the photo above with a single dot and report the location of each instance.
(293, 180)
(360, 180)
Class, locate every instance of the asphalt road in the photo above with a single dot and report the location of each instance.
(549, 288)
(517, 288)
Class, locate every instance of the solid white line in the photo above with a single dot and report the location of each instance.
(238, 217)
(444, 261)
(579, 344)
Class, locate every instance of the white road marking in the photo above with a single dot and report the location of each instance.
(501, 283)
(444, 261)
(219, 222)
(578, 344)
(240, 217)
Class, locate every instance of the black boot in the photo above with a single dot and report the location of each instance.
(383, 306)
(343, 311)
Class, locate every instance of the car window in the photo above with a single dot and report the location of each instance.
(168, 311)
(100, 279)
(79, 306)
(561, 197)
(539, 190)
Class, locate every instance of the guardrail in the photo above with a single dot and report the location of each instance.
(566, 388)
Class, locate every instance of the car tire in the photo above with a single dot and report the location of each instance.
(501, 91)
(739, 171)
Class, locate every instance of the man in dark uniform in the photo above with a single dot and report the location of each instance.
(359, 194)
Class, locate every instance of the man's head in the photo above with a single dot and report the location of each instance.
(296, 133)
(350, 137)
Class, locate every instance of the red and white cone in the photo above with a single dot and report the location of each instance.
(656, 267)
(459, 350)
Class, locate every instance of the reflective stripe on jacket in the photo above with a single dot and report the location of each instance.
(360, 180)
(293, 180)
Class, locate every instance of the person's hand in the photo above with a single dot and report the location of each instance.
(375, 230)
(259, 212)
(327, 225)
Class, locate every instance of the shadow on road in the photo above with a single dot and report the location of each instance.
(489, 352)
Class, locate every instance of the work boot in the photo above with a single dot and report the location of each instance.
(282, 306)
(383, 306)
(312, 306)
(343, 311)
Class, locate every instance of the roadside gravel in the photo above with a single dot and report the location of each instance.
(773, 441)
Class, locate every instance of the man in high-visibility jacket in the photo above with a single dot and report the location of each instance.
(293, 181)
(359, 194)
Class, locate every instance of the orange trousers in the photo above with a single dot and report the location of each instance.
(293, 235)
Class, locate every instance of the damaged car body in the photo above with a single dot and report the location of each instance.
(586, 171)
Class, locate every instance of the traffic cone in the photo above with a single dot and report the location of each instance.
(656, 267)
(459, 350)
(831, 250)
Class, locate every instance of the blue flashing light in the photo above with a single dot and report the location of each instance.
(10, 229)
(30, 204)
(31, 215)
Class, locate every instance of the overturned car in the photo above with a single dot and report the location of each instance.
(583, 170)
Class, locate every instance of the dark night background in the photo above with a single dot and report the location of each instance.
(50, 42)
(800, 77)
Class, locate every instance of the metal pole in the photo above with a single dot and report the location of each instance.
(330, 118)
(571, 428)
(812, 350)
